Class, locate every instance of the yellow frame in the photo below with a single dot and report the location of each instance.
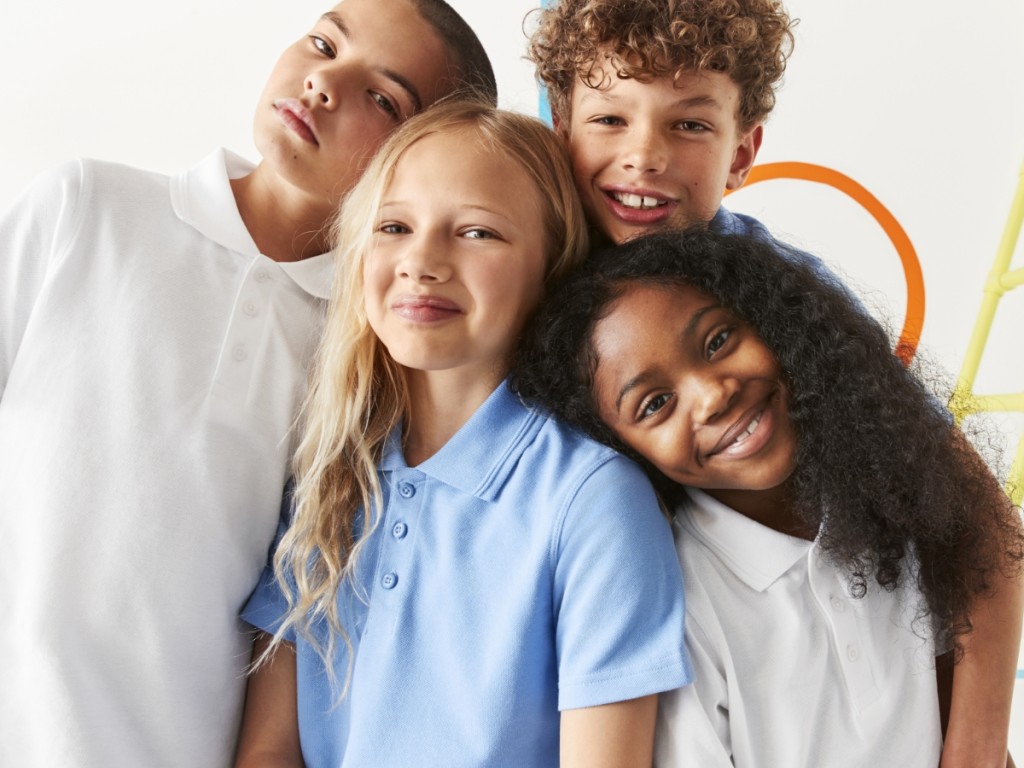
(1000, 280)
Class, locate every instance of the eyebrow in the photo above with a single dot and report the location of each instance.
(467, 207)
(398, 79)
(643, 376)
(702, 100)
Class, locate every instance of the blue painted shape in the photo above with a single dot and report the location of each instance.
(543, 105)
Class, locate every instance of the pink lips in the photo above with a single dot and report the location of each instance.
(425, 309)
(297, 118)
(750, 444)
(643, 217)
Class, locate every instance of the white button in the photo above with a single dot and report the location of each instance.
(852, 652)
(262, 276)
(250, 308)
(838, 604)
(239, 352)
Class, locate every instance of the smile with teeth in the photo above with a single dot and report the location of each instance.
(751, 427)
(641, 202)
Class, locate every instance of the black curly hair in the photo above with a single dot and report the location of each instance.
(881, 471)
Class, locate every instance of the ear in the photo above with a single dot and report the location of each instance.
(746, 153)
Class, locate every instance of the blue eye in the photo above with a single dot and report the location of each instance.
(479, 233)
(392, 228)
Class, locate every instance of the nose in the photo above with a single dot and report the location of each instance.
(423, 260)
(644, 150)
(712, 394)
(322, 85)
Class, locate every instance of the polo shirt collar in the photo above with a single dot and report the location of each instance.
(202, 198)
(725, 222)
(758, 555)
(480, 457)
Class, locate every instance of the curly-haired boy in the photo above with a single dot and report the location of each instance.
(662, 104)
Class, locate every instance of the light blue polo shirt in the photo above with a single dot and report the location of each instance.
(521, 570)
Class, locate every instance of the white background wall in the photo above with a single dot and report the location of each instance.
(920, 101)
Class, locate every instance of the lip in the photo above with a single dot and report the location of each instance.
(297, 119)
(649, 216)
(425, 309)
(727, 446)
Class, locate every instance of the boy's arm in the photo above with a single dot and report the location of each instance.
(983, 681)
(270, 724)
(619, 735)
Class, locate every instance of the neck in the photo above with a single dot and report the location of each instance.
(440, 403)
(286, 225)
(772, 508)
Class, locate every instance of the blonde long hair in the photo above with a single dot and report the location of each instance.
(358, 393)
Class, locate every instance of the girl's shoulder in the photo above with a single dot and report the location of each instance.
(578, 455)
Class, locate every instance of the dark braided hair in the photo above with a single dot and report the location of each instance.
(881, 471)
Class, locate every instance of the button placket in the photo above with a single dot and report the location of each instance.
(396, 549)
(842, 611)
(244, 332)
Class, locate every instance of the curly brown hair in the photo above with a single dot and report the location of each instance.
(748, 40)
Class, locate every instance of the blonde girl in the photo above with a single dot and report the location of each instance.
(460, 580)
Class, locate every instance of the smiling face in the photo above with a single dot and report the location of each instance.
(657, 153)
(458, 260)
(696, 392)
(335, 94)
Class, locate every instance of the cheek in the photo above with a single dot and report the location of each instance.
(516, 286)
(583, 153)
(374, 285)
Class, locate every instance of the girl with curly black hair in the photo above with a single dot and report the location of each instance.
(834, 527)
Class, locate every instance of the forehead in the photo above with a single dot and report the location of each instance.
(468, 167)
(641, 319)
(638, 334)
(689, 88)
(639, 301)
(396, 40)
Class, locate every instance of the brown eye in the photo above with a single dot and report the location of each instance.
(323, 46)
(654, 405)
(717, 342)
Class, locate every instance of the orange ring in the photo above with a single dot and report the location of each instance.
(914, 320)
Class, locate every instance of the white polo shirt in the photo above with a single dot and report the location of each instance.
(789, 669)
(151, 363)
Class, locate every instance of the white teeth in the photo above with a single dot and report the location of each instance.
(637, 201)
(750, 429)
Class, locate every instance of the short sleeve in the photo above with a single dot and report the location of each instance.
(619, 606)
(693, 721)
(267, 606)
(33, 232)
